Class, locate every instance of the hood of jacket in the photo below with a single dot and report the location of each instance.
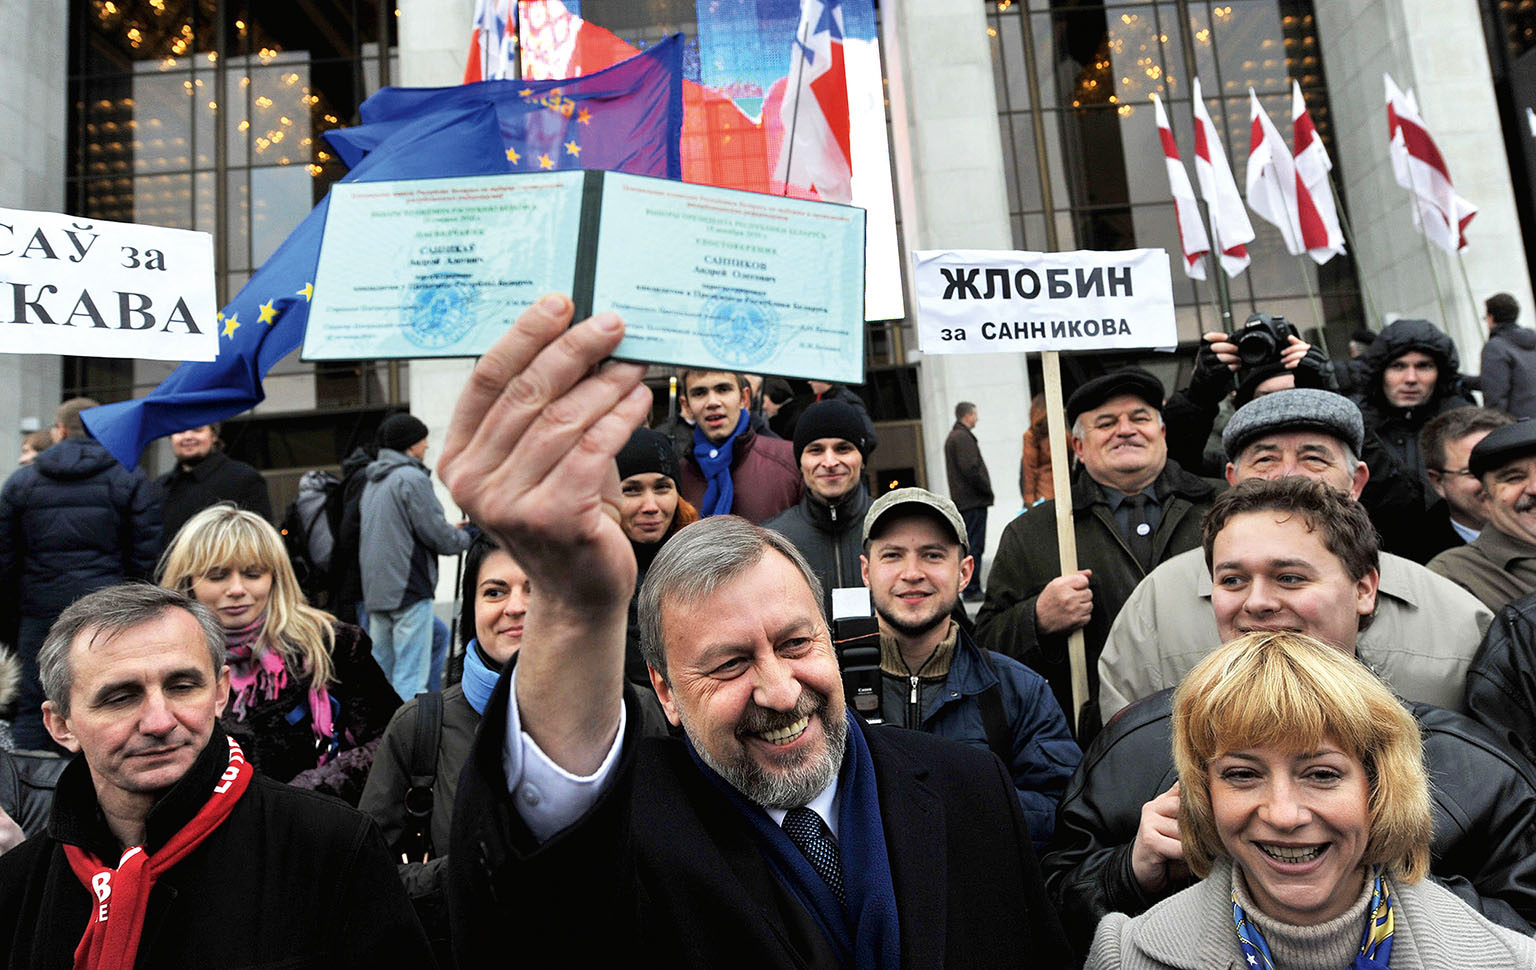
(74, 458)
(359, 460)
(1522, 337)
(389, 462)
(1399, 338)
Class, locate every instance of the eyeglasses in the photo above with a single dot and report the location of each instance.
(1454, 472)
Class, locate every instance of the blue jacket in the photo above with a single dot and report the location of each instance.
(72, 522)
(1044, 754)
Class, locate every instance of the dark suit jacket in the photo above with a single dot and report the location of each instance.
(663, 870)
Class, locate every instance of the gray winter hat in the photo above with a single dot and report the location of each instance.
(1299, 409)
(937, 504)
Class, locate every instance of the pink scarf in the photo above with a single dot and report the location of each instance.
(264, 674)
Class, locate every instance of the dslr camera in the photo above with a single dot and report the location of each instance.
(1263, 338)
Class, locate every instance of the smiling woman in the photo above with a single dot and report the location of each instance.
(1304, 803)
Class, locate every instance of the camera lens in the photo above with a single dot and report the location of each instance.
(1256, 347)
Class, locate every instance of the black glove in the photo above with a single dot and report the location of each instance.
(1316, 370)
(1211, 381)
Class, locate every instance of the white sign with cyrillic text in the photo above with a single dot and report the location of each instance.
(92, 288)
(985, 301)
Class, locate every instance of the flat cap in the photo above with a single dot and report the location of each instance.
(1299, 409)
(1132, 380)
(1502, 446)
(938, 504)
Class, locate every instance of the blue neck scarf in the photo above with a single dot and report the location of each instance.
(479, 677)
(1375, 945)
(715, 462)
(866, 935)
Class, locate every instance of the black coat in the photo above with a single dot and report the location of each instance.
(217, 478)
(1027, 559)
(27, 782)
(1483, 801)
(72, 522)
(291, 879)
(970, 485)
(830, 537)
(664, 868)
(1398, 492)
(1501, 683)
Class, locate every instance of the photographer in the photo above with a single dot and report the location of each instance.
(1265, 355)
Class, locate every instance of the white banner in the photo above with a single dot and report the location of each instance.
(87, 287)
(985, 301)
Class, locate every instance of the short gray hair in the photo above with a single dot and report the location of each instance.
(700, 559)
(112, 611)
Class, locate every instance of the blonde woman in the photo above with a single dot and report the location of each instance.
(307, 699)
(1304, 805)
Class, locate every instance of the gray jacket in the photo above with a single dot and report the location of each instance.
(1509, 370)
(1422, 639)
(1193, 930)
(403, 532)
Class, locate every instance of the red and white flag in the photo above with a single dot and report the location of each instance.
(1319, 217)
(817, 151)
(1230, 229)
(1192, 237)
(492, 41)
(1271, 177)
(1438, 211)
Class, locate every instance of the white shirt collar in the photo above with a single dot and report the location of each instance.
(825, 805)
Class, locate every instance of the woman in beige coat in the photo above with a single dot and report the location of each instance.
(1304, 803)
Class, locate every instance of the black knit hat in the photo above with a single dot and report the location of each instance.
(401, 431)
(648, 451)
(831, 419)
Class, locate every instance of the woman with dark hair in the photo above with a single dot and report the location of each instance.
(651, 510)
(308, 702)
(1304, 804)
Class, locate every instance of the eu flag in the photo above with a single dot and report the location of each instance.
(625, 118)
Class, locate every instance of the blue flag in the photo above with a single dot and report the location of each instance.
(625, 118)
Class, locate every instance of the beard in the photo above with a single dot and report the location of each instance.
(799, 778)
(917, 628)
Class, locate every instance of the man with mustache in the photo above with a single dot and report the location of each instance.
(933, 676)
(773, 830)
(1499, 566)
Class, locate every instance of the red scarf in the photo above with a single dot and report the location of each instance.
(111, 940)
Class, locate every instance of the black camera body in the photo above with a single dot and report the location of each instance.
(857, 640)
(1263, 338)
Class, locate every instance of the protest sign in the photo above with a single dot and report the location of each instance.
(975, 301)
(89, 287)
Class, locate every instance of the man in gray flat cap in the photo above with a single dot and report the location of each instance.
(1425, 630)
(1499, 566)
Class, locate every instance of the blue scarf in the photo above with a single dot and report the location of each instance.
(1375, 945)
(866, 935)
(715, 462)
(479, 678)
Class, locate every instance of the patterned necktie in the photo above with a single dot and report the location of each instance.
(1140, 538)
(814, 840)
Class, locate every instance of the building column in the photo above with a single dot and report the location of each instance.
(1437, 47)
(952, 193)
(33, 94)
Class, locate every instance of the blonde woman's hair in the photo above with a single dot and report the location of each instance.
(1293, 692)
(222, 535)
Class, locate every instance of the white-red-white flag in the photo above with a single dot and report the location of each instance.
(492, 41)
(1438, 211)
(817, 151)
(1271, 177)
(1192, 237)
(1230, 229)
(1316, 212)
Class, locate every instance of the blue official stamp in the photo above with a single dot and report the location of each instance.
(441, 312)
(738, 330)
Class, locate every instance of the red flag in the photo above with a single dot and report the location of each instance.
(492, 41)
(1192, 237)
(1229, 220)
(1272, 181)
(1438, 211)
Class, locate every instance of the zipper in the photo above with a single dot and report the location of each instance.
(912, 711)
(837, 549)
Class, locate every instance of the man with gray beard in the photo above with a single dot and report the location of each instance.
(773, 829)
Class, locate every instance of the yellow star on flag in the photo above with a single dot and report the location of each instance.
(268, 314)
(571, 148)
(525, 92)
(546, 162)
(513, 156)
(584, 116)
(308, 292)
(231, 324)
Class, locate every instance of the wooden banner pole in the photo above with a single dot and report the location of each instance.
(1066, 538)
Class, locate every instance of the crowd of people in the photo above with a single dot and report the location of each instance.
(1309, 620)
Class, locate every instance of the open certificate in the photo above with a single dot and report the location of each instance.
(703, 277)
(732, 280)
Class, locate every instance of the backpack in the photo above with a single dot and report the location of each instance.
(309, 528)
